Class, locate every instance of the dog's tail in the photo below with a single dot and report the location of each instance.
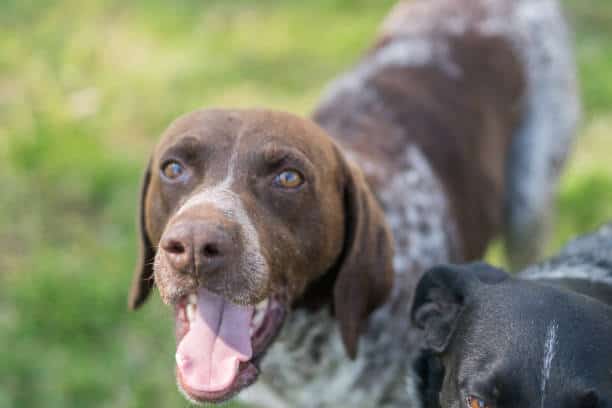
(545, 137)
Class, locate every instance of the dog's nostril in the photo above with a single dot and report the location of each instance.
(174, 247)
(210, 250)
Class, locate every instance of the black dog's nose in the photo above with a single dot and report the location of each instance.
(196, 247)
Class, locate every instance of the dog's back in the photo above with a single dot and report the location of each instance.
(486, 91)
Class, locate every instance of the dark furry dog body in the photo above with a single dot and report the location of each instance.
(542, 339)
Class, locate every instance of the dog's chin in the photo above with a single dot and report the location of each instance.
(247, 375)
(244, 350)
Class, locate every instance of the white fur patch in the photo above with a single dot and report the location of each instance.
(550, 349)
(417, 211)
(589, 273)
(229, 203)
(262, 395)
(587, 258)
(308, 366)
(218, 194)
(406, 52)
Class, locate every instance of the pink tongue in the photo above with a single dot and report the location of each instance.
(217, 341)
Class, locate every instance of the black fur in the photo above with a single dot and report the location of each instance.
(540, 340)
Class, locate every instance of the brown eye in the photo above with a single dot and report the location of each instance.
(289, 179)
(173, 170)
(475, 402)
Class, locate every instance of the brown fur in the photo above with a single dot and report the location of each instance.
(463, 126)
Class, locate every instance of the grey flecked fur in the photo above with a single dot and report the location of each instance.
(307, 366)
(586, 258)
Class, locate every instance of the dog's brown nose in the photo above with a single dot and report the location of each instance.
(196, 247)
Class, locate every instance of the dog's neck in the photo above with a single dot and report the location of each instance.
(420, 218)
(309, 354)
(309, 357)
(417, 209)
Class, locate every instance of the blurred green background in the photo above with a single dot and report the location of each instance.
(86, 87)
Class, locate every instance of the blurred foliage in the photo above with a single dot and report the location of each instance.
(85, 90)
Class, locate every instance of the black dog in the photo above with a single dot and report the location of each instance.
(542, 340)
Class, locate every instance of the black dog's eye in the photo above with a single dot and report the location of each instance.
(475, 402)
(172, 169)
(289, 179)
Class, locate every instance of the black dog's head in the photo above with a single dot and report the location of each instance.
(499, 342)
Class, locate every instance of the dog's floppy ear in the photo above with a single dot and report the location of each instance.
(365, 274)
(440, 296)
(142, 282)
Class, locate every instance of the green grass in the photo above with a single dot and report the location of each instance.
(85, 90)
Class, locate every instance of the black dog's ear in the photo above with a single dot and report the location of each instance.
(365, 274)
(143, 282)
(440, 297)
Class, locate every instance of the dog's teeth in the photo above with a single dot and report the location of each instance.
(258, 318)
(259, 314)
(262, 306)
(193, 299)
(191, 311)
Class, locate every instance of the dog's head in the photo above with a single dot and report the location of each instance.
(499, 342)
(241, 213)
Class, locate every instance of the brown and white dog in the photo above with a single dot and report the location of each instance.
(271, 234)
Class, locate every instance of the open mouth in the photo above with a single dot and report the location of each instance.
(220, 343)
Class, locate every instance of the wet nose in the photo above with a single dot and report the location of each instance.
(196, 247)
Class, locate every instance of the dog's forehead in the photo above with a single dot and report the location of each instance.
(521, 301)
(525, 320)
(254, 128)
(532, 340)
